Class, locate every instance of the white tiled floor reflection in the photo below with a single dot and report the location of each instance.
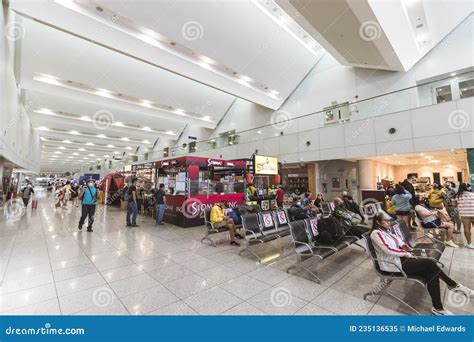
(49, 267)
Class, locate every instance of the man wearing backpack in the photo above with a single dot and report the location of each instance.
(132, 208)
(89, 200)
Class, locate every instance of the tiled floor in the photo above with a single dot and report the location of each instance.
(48, 267)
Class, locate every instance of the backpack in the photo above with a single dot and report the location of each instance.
(330, 230)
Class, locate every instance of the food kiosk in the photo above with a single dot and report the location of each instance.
(194, 184)
(263, 174)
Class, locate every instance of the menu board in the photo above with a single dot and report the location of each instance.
(264, 165)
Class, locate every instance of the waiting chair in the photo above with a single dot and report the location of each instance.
(386, 278)
(210, 229)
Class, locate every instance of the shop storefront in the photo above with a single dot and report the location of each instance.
(194, 184)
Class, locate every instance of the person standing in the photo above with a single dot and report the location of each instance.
(280, 195)
(436, 197)
(89, 200)
(74, 194)
(132, 208)
(465, 204)
(408, 186)
(401, 200)
(26, 193)
(160, 204)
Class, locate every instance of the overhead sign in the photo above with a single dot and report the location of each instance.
(265, 165)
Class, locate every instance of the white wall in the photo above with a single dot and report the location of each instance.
(445, 170)
(19, 143)
(427, 128)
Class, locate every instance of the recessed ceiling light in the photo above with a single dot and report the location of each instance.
(146, 141)
(146, 129)
(61, 148)
(118, 124)
(101, 136)
(91, 155)
(43, 128)
(86, 118)
(111, 146)
(128, 148)
(116, 152)
(82, 149)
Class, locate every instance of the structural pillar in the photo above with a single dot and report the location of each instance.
(313, 177)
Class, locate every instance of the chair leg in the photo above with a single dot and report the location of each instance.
(356, 243)
(247, 249)
(402, 302)
(381, 286)
(212, 242)
(306, 269)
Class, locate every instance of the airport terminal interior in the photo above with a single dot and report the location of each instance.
(254, 157)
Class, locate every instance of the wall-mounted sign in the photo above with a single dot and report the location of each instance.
(214, 162)
(265, 165)
(143, 166)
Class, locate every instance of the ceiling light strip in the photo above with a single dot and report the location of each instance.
(151, 37)
(49, 79)
(77, 117)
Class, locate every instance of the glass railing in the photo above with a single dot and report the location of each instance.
(426, 94)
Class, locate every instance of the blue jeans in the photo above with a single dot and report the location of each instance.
(132, 211)
(160, 212)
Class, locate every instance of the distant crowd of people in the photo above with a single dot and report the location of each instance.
(444, 207)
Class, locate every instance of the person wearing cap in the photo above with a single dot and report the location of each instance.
(465, 203)
(393, 254)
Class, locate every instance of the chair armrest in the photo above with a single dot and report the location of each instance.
(389, 262)
(307, 245)
(428, 249)
(250, 231)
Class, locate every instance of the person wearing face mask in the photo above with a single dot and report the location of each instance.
(88, 196)
(465, 203)
(392, 252)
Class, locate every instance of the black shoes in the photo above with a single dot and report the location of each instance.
(89, 229)
(234, 243)
(79, 227)
(134, 225)
(238, 236)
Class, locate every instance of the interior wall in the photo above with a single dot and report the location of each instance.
(345, 171)
(19, 143)
(445, 170)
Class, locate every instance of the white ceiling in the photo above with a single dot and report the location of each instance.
(69, 52)
(389, 35)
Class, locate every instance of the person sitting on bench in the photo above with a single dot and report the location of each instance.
(435, 219)
(218, 220)
(348, 218)
(392, 252)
